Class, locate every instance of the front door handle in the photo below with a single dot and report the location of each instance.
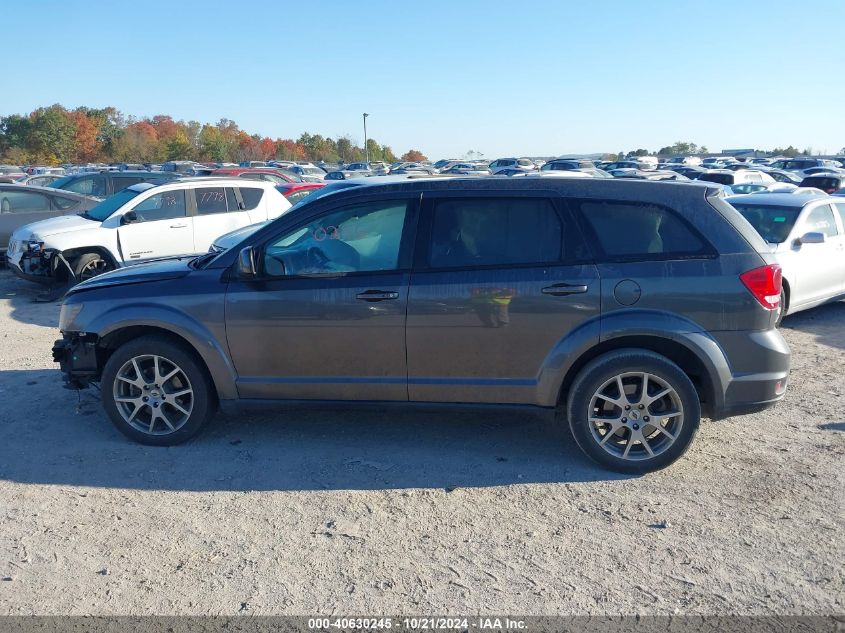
(561, 290)
(377, 295)
(178, 226)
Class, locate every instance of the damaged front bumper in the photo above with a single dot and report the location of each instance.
(76, 354)
(39, 266)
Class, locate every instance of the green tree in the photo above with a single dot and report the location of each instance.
(51, 137)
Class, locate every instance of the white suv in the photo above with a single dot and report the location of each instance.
(142, 222)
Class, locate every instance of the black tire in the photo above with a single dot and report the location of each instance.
(203, 399)
(600, 372)
(783, 307)
(90, 265)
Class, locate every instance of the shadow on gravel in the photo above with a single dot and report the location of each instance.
(27, 300)
(49, 435)
(833, 426)
(827, 323)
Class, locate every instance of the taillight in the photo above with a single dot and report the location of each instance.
(765, 284)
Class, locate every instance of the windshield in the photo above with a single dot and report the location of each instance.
(773, 223)
(110, 205)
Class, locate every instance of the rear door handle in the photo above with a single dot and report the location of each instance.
(561, 290)
(178, 226)
(377, 295)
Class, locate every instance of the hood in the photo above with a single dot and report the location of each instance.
(228, 240)
(158, 270)
(60, 224)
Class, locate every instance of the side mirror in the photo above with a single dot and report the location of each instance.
(129, 217)
(246, 263)
(813, 237)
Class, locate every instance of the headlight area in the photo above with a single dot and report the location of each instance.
(67, 316)
(76, 354)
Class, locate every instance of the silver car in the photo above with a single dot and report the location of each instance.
(806, 234)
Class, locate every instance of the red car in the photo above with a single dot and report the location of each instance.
(279, 176)
(296, 191)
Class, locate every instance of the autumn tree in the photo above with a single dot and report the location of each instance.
(413, 156)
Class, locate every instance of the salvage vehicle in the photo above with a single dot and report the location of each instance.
(23, 204)
(630, 308)
(805, 233)
(143, 222)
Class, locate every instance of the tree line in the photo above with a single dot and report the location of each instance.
(55, 135)
(683, 148)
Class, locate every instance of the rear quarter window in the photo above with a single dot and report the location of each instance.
(640, 231)
(251, 197)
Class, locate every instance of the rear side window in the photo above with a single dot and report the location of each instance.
(821, 182)
(629, 230)
(210, 200)
(122, 182)
(470, 232)
(60, 202)
(251, 197)
(722, 179)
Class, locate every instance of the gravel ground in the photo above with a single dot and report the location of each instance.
(382, 511)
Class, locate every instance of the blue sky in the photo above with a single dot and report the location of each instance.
(503, 78)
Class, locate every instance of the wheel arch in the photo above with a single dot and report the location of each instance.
(72, 254)
(202, 344)
(685, 357)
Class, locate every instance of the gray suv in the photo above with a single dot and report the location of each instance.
(631, 309)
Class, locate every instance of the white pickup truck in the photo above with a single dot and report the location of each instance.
(143, 222)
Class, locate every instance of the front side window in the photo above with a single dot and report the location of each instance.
(821, 220)
(628, 230)
(470, 232)
(162, 206)
(355, 239)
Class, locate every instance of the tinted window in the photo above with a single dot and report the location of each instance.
(210, 200)
(122, 182)
(355, 239)
(821, 182)
(722, 179)
(631, 230)
(231, 201)
(495, 231)
(162, 206)
(821, 220)
(23, 202)
(251, 197)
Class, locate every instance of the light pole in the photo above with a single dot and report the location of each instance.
(366, 149)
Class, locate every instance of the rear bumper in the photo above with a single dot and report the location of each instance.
(757, 372)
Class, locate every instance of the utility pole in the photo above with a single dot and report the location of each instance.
(366, 149)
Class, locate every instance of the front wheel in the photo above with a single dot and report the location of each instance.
(156, 392)
(90, 265)
(633, 411)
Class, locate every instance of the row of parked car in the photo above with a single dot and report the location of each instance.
(631, 308)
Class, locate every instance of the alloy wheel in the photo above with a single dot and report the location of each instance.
(153, 395)
(635, 416)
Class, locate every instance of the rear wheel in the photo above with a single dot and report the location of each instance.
(90, 265)
(156, 392)
(782, 308)
(633, 411)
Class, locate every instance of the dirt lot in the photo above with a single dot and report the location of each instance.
(326, 511)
